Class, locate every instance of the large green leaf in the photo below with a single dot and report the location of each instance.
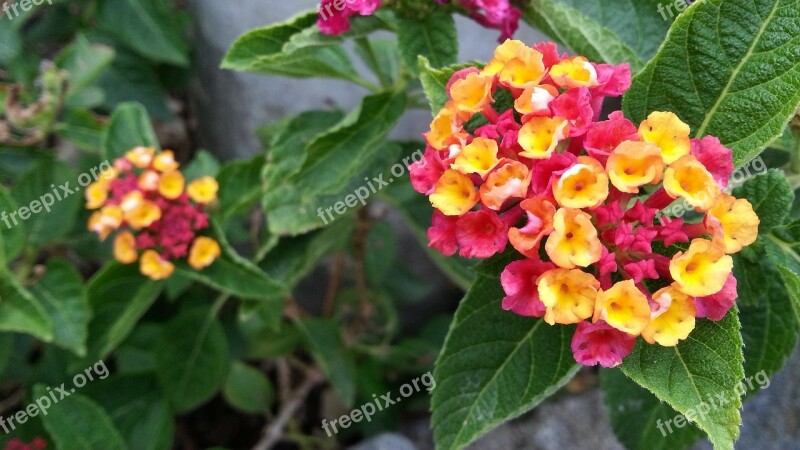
(40, 189)
(240, 187)
(706, 365)
(77, 422)
(129, 127)
(12, 237)
(729, 68)
(21, 312)
(433, 37)
(248, 389)
(293, 48)
(771, 197)
(84, 62)
(192, 356)
(10, 42)
(783, 250)
(119, 297)
(324, 340)
(494, 366)
(148, 27)
(62, 293)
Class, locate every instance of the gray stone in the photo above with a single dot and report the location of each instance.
(386, 441)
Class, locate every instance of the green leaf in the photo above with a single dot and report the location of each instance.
(293, 48)
(39, 185)
(434, 81)
(84, 62)
(10, 42)
(82, 128)
(639, 418)
(383, 58)
(324, 340)
(129, 128)
(433, 37)
(138, 409)
(771, 197)
(146, 26)
(204, 164)
(783, 250)
(192, 356)
(119, 297)
(707, 364)
(77, 422)
(240, 187)
(21, 312)
(248, 389)
(12, 237)
(336, 165)
(132, 78)
(63, 295)
(729, 69)
(494, 366)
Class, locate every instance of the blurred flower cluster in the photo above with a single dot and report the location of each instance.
(518, 155)
(156, 215)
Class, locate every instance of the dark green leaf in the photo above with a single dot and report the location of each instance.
(129, 128)
(433, 37)
(21, 312)
(77, 422)
(248, 389)
(324, 339)
(63, 295)
(771, 197)
(12, 237)
(84, 62)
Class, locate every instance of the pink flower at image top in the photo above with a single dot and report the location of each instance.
(519, 156)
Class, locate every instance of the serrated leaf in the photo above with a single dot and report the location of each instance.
(729, 68)
(129, 127)
(494, 366)
(293, 48)
(192, 357)
(707, 364)
(62, 293)
(77, 422)
(433, 37)
(771, 197)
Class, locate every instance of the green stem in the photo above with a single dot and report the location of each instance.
(795, 161)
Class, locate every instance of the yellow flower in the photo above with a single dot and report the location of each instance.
(472, 93)
(148, 180)
(125, 248)
(733, 223)
(138, 212)
(141, 157)
(574, 72)
(633, 164)
(103, 222)
(568, 295)
(154, 267)
(509, 181)
(480, 157)
(573, 241)
(204, 251)
(665, 130)
(674, 321)
(454, 194)
(540, 136)
(584, 185)
(171, 185)
(525, 70)
(165, 162)
(97, 194)
(624, 307)
(689, 179)
(446, 127)
(702, 270)
(504, 53)
(203, 190)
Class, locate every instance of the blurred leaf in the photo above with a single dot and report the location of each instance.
(204, 164)
(433, 37)
(741, 84)
(82, 128)
(10, 42)
(132, 78)
(771, 197)
(138, 409)
(324, 339)
(146, 26)
(707, 365)
(192, 356)
(77, 422)
(41, 183)
(240, 187)
(62, 293)
(248, 389)
(129, 127)
(12, 237)
(381, 248)
(137, 352)
(84, 62)
(21, 312)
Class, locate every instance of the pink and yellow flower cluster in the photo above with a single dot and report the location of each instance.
(578, 196)
(155, 213)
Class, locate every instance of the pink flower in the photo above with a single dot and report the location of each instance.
(603, 137)
(519, 280)
(575, 106)
(716, 306)
(599, 343)
(333, 21)
(442, 233)
(716, 158)
(481, 234)
(427, 171)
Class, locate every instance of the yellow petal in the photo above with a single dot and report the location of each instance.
(584, 185)
(203, 190)
(204, 251)
(702, 270)
(454, 194)
(125, 248)
(540, 136)
(624, 307)
(668, 133)
(568, 295)
(154, 267)
(634, 164)
(688, 179)
(574, 240)
(733, 223)
(472, 93)
(675, 322)
(171, 185)
(480, 157)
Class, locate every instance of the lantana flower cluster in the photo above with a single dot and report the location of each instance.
(519, 156)
(155, 214)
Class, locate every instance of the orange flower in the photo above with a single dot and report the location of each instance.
(153, 266)
(624, 307)
(125, 248)
(574, 240)
(665, 130)
(733, 223)
(568, 295)
(634, 164)
(203, 190)
(584, 185)
(702, 270)
(454, 194)
(689, 179)
(204, 251)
